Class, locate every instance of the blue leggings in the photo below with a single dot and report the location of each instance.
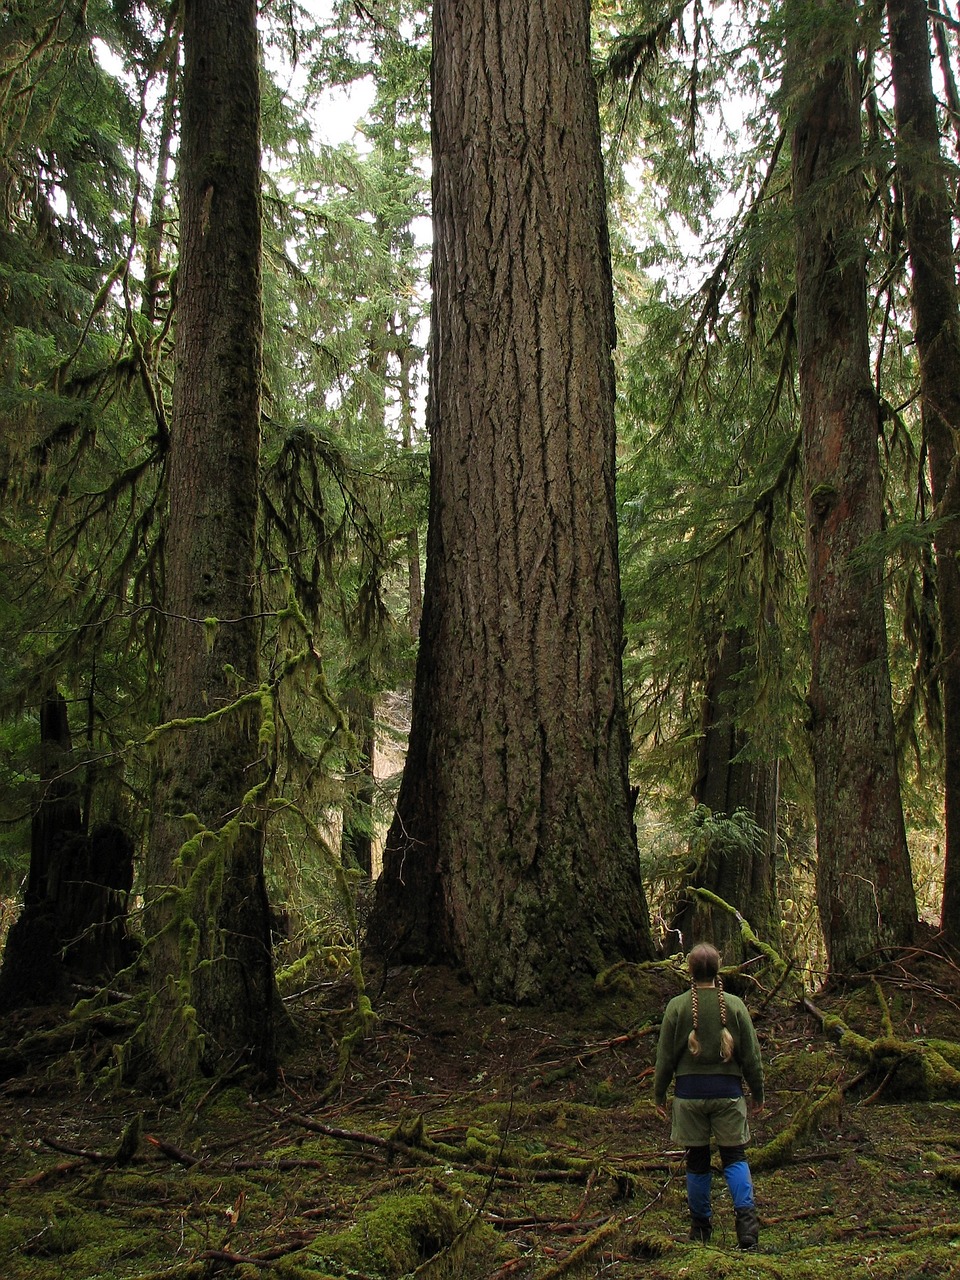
(736, 1174)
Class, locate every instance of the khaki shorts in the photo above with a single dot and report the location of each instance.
(696, 1119)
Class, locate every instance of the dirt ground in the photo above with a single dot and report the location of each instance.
(479, 1143)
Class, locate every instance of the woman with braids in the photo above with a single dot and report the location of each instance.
(708, 1043)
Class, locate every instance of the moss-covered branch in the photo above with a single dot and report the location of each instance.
(746, 932)
(808, 1117)
(917, 1070)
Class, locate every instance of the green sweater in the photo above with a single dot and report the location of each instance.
(674, 1058)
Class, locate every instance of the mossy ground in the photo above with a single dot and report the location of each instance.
(473, 1142)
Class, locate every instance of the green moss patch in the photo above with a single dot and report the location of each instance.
(465, 1141)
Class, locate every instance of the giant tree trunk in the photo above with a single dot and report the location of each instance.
(864, 884)
(512, 851)
(730, 779)
(927, 210)
(210, 959)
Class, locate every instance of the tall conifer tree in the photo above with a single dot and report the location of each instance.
(211, 963)
(936, 307)
(512, 850)
(864, 883)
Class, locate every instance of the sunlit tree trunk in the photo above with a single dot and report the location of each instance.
(864, 883)
(512, 851)
(414, 582)
(927, 211)
(209, 942)
(156, 226)
(356, 843)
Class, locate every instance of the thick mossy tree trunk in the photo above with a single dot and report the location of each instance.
(512, 851)
(740, 867)
(927, 208)
(864, 883)
(207, 915)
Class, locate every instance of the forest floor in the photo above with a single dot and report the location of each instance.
(473, 1142)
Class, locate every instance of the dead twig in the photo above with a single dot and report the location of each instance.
(234, 1259)
(533, 1221)
(773, 993)
(56, 1171)
(98, 1157)
(824, 1210)
(591, 1179)
(342, 1135)
(592, 1050)
(511, 1268)
(174, 1153)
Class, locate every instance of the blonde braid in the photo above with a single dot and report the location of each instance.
(693, 1044)
(726, 1039)
(704, 964)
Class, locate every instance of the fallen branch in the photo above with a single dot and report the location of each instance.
(512, 1267)
(410, 1138)
(808, 1117)
(174, 1153)
(56, 1171)
(99, 1157)
(926, 1065)
(592, 1050)
(533, 1221)
(781, 967)
(284, 1162)
(772, 994)
(331, 1131)
(235, 1259)
(823, 1210)
(573, 1259)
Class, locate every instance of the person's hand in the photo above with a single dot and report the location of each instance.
(661, 1110)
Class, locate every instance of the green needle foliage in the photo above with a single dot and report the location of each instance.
(88, 281)
(710, 482)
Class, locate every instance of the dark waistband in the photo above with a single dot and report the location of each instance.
(706, 1086)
